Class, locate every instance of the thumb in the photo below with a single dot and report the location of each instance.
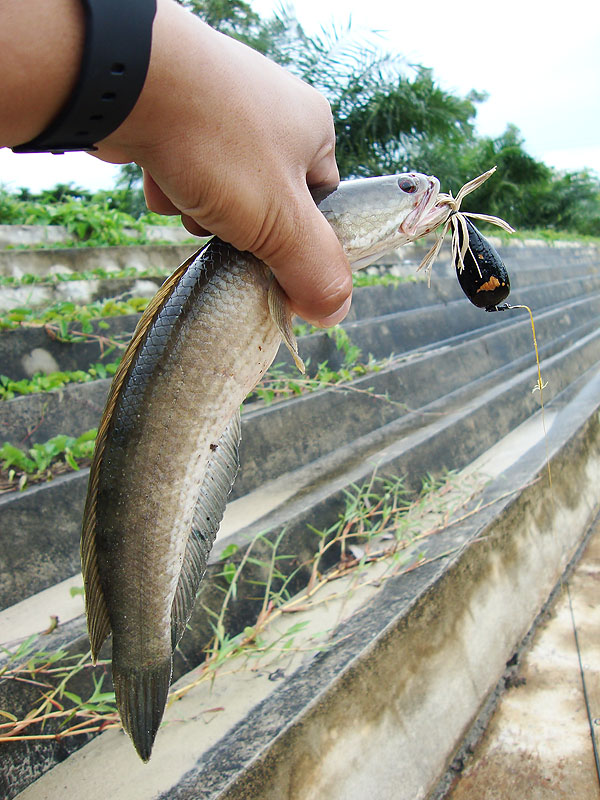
(311, 266)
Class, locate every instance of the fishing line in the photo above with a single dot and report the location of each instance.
(480, 270)
(540, 387)
(585, 693)
(565, 584)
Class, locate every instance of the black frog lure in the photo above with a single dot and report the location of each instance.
(480, 270)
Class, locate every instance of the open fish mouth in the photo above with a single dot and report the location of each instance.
(426, 216)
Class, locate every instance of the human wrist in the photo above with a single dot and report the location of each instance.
(176, 33)
(36, 81)
(111, 75)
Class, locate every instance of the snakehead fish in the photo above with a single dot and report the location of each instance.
(166, 453)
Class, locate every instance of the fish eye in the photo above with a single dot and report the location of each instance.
(408, 185)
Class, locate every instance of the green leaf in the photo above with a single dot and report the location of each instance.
(299, 626)
(229, 571)
(88, 436)
(14, 456)
(229, 551)
(71, 461)
(74, 698)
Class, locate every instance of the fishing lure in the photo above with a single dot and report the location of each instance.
(483, 276)
(480, 270)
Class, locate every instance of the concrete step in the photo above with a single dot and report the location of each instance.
(32, 235)
(538, 738)
(81, 292)
(76, 408)
(289, 434)
(428, 645)
(448, 398)
(17, 263)
(308, 497)
(29, 350)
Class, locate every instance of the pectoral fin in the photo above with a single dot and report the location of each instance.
(280, 312)
(210, 506)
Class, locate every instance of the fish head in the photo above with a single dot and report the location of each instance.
(372, 216)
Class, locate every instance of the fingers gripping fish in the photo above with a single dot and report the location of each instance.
(167, 447)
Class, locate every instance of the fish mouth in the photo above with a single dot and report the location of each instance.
(425, 216)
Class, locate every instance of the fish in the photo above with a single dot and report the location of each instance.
(166, 452)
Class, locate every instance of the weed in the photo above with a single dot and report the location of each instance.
(44, 460)
(41, 382)
(381, 524)
(360, 279)
(66, 313)
(91, 222)
(51, 672)
(99, 273)
(278, 383)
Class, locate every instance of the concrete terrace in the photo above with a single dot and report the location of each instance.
(395, 666)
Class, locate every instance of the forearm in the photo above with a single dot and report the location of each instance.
(226, 138)
(40, 51)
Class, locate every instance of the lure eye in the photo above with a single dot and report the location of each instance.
(408, 185)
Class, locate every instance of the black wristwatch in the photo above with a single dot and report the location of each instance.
(114, 65)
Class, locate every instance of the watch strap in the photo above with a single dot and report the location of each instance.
(114, 65)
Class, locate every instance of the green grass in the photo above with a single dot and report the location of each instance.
(360, 279)
(65, 313)
(381, 532)
(47, 382)
(89, 223)
(19, 467)
(29, 279)
(548, 236)
(42, 461)
(279, 383)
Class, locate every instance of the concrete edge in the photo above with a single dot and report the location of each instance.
(327, 731)
(478, 728)
(454, 624)
(66, 492)
(77, 624)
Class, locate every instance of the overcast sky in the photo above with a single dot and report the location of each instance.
(538, 62)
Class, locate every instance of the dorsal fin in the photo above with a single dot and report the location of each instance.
(218, 479)
(97, 614)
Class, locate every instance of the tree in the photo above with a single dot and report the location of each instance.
(391, 117)
(232, 17)
(569, 202)
(381, 107)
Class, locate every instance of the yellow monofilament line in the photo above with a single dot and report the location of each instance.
(455, 221)
(540, 386)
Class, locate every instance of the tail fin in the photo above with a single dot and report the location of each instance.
(141, 698)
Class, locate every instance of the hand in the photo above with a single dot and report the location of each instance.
(232, 142)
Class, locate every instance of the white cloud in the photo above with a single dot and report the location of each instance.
(539, 63)
(43, 170)
(574, 158)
